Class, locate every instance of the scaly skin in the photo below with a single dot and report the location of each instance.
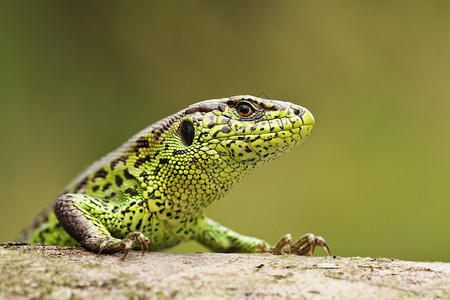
(151, 191)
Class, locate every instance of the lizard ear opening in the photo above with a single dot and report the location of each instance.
(187, 133)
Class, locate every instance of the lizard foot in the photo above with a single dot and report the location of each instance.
(136, 238)
(304, 246)
(128, 243)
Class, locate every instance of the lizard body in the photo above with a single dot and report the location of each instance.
(152, 190)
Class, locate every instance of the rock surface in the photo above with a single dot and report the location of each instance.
(51, 272)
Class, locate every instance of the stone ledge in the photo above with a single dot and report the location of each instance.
(51, 272)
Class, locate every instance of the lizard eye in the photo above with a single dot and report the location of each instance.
(244, 109)
(187, 133)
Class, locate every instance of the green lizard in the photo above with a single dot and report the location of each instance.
(152, 190)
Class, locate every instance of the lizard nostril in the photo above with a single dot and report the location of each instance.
(297, 111)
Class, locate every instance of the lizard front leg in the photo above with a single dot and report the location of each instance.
(75, 213)
(221, 239)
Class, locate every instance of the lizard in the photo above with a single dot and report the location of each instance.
(151, 192)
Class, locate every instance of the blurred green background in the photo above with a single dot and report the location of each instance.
(77, 79)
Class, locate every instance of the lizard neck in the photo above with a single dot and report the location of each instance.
(185, 185)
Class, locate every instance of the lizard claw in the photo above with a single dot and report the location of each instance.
(321, 242)
(103, 245)
(145, 244)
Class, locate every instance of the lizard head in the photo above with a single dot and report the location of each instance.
(237, 132)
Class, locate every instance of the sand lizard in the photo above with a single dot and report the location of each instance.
(151, 191)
